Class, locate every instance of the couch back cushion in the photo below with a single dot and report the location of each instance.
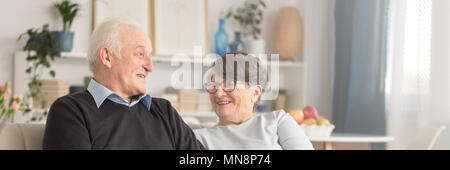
(33, 134)
(22, 136)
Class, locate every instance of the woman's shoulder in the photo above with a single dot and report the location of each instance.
(274, 118)
(275, 115)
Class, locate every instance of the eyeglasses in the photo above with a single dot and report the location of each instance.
(211, 87)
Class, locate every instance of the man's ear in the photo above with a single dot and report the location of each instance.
(106, 57)
(257, 90)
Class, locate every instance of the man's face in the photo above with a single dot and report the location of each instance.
(132, 68)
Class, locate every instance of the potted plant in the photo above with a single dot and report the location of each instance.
(68, 12)
(41, 47)
(250, 16)
(9, 104)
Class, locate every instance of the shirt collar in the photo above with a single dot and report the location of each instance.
(100, 93)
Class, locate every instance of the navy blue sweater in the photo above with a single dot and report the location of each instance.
(75, 122)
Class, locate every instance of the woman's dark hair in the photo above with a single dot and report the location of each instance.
(246, 68)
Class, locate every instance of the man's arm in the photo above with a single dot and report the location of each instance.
(184, 136)
(65, 127)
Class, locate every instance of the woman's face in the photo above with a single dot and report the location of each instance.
(234, 107)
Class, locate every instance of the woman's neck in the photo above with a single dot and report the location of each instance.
(226, 122)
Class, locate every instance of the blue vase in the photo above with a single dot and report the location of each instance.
(65, 40)
(237, 44)
(221, 39)
(261, 108)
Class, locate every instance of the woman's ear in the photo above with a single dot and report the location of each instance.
(105, 57)
(257, 90)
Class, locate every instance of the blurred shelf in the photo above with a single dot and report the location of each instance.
(169, 60)
(349, 137)
(73, 55)
(292, 64)
(77, 55)
(198, 114)
(207, 62)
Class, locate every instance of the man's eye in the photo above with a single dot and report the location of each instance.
(140, 54)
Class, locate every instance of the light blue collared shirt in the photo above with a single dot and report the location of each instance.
(101, 93)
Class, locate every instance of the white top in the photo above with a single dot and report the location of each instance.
(346, 137)
(270, 131)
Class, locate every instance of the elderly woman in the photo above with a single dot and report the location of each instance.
(233, 102)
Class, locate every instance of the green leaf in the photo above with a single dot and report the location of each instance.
(228, 15)
(258, 30)
(262, 3)
(68, 11)
(52, 73)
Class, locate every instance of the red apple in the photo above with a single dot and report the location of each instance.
(297, 115)
(310, 112)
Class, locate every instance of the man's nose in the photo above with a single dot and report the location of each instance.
(148, 65)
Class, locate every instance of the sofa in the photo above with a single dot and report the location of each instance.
(22, 136)
(17, 136)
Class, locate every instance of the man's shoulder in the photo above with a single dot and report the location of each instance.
(163, 106)
(160, 101)
(82, 97)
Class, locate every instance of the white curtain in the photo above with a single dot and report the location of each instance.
(416, 69)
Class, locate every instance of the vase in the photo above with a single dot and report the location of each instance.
(237, 44)
(221, 39)
(255, 46)
(288, 33)
(65, 40)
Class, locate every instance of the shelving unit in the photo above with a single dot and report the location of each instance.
(73, 67)
(159, 59)
(73, 55)
(207, 62)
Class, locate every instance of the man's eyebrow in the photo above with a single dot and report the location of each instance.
(145, 48)
(140, 46)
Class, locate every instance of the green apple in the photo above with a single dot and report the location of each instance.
(323, 122)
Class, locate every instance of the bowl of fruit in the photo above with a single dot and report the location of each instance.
(312, 123)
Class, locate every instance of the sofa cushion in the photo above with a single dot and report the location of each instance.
(11, 138)
(21, 136)
(33, 135)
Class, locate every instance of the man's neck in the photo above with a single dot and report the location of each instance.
(104, 83)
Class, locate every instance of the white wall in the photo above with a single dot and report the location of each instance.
(19, 15)
(319, 54)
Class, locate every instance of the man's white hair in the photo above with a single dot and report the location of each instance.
(106, 34)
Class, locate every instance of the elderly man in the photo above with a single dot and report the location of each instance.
(115, 112)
